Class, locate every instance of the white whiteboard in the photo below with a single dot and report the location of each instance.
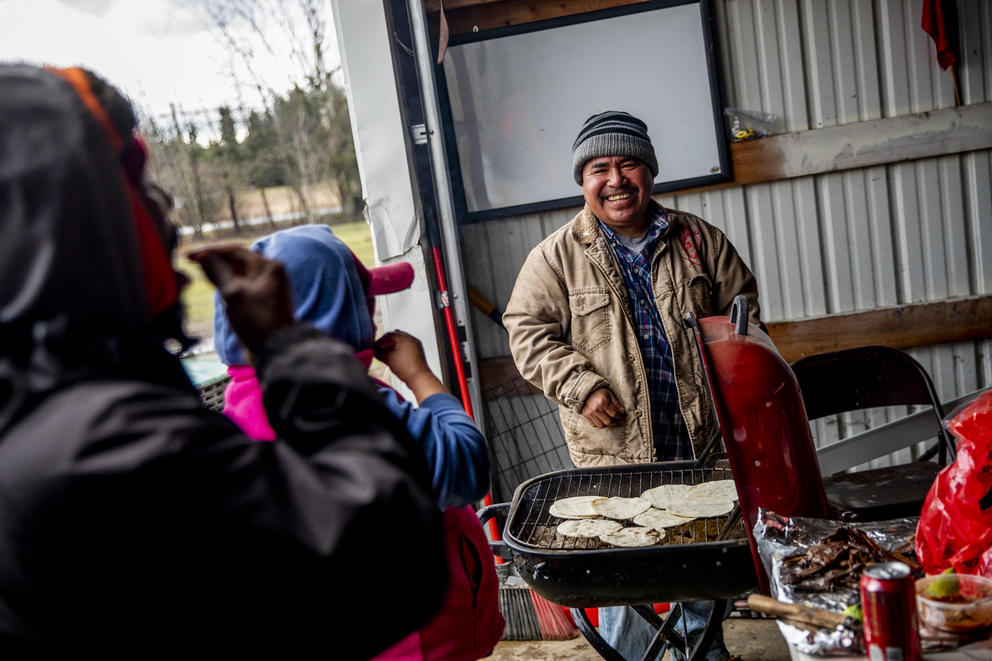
(517, 101)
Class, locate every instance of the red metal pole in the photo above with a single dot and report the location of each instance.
(449, 320)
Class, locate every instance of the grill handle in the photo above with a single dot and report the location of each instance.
(713, 450)
(498, 511)
(738, 314)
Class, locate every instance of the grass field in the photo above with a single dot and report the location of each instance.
(198, 296)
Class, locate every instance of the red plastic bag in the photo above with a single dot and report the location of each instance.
(955, 528)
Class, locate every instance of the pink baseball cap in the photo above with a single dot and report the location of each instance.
(386, 279)
(390, 278)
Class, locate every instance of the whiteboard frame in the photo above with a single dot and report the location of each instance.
(657, 6)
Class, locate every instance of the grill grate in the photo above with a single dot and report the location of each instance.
(531, 524)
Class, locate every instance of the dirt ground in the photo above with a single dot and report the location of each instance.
(748, 639)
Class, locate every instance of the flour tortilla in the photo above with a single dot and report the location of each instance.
(576, 507)
(660, 519)
(716, 489)
(701, 507)
(633, 537)
(588, 527)
(620, 508)
(661, 497)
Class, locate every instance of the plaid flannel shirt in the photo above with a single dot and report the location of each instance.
(666, 421)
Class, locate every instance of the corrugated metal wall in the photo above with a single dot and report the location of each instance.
(840, 242)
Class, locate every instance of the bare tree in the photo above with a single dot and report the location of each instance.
(176, 166)
(229, 156)
(305, 117)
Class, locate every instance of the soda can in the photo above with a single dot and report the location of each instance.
(888, 605)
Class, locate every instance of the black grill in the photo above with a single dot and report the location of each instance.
(703, 559)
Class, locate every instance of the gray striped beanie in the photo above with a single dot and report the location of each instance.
(613, 133)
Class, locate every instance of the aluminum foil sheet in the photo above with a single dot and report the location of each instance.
(781, 537)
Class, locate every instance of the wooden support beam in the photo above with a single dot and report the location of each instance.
(922, 324)
(902, 327)
(876, 142)
(434, 6)
(467, 16)
(860, 145)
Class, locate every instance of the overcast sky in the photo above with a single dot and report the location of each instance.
(156, 51)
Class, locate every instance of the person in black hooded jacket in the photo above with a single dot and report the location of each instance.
(133, 521)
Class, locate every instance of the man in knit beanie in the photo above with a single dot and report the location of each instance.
(616, 143)
(595, 322)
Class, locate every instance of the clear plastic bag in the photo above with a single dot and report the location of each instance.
(748, 124)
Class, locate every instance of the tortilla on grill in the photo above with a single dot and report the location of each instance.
(716, 489)
(620, 508)
(588, 527)
(633, 537)
(701, 507)
(576, 507)
(661, 497)
(660, 519)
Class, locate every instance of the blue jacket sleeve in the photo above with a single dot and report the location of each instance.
(453, 446)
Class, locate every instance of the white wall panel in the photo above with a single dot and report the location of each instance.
(810, 253)
(864, 286)
(882, 255)
(768, 260)
(952, 194)
(977, 202)
(815, 24)
(791, 244)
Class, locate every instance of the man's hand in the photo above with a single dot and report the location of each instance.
(255, 290)
(603, 409)
(403, 354)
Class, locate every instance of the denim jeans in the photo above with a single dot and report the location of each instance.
(630, 635)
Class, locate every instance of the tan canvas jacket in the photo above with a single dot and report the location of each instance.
(569, 320)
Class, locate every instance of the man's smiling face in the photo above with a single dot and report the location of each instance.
(617, 190)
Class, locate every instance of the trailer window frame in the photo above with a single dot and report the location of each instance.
(473, 207)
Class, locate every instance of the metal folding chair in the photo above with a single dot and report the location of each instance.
(870, 377)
